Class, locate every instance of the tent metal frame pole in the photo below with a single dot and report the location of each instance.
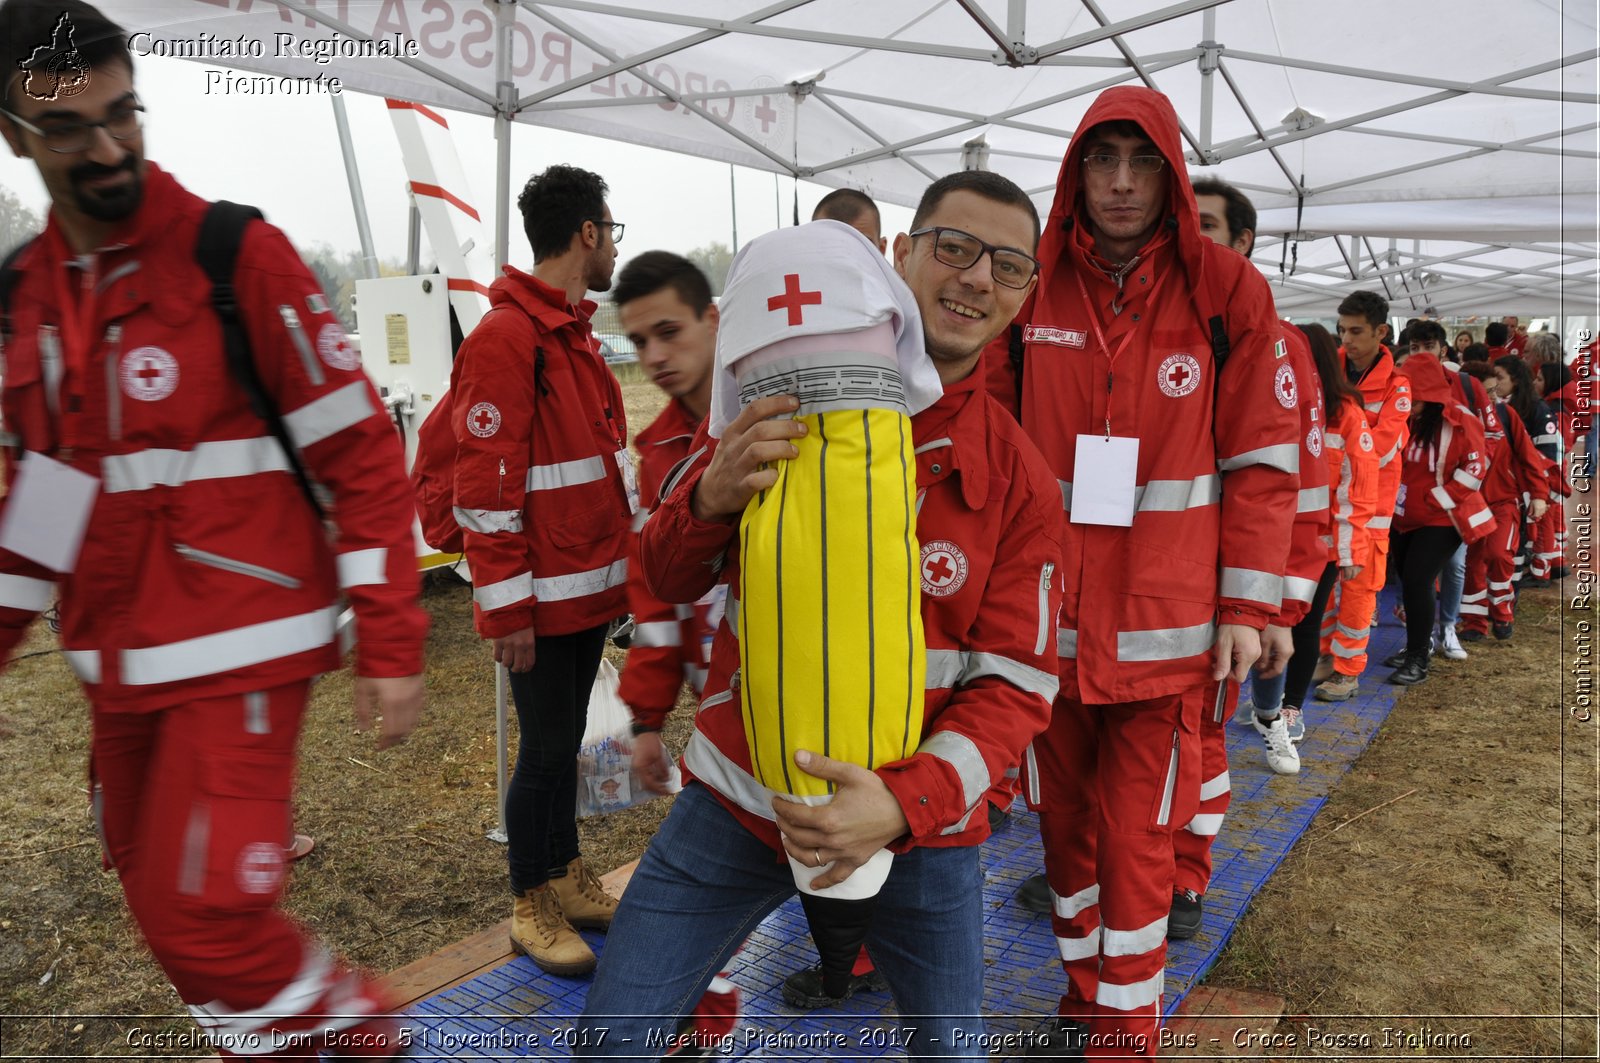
(1448, 159)
(1494, 87)
(1255, 123)
(352, 174)
(853, 120)
(1017, 20)
(1144, 75)
(1209, 54)
(1010, 52)
(505, 104)
(1127, 25)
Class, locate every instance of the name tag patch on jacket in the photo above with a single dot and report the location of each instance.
(1061, 337)
(944, 568)
(148, 374)
(1178, 375)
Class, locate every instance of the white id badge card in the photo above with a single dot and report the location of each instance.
(1103, 479)
(630, 481)
(47, 512)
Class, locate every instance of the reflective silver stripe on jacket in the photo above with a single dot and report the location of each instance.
(1373, 407)
(1466, 479)
(1313, 499)
(1067, 643)
(331, 414)
(953, 668)
(488, 521)
(657, 634)
(566, 473)
(507, 592)
(1165, 644)
(224, 651)
(215, 460)
(363, 568)
(1334, 440)
(1344, 530)
(712, 767)
(1442, 497)
(1299, 589)
(1380, 522)
(1483, 516)
(1067, 907)
(1387, 458)
(1165, 496)
(1252, 585)
(581, 584)
(1129, 997)
(961, 753)
(1283, 456)
(25, 592)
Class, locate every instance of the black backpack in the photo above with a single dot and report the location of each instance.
(216, 252)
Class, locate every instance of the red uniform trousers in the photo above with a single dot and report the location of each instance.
(1486, 594)
(1347, 625)
(194, 805)
(1191, 846)
(1115, 784)
(1549, 540)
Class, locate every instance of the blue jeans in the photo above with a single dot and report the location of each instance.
(1451, 582)
(704, 884)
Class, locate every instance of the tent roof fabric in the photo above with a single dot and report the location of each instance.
(1454, 175)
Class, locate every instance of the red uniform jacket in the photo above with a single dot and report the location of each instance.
(1386, 395)
(204, 571)
(540, 450)
(1218, 459)
(1352, 461)
(1517, 471)
(990, 515)
(1308, 542)
(1442, 477)
(671, 643)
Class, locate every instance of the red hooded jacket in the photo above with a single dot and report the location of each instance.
(540, 447)
(1218, 461)
(1442, 478)
(204, 571)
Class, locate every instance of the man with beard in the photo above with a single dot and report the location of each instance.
(198, 585)
(544, 495)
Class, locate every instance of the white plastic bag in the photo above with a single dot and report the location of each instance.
(606, 780)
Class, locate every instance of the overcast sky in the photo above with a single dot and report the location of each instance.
(281, 153)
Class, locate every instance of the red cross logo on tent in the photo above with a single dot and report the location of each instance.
(483, 420)
(148, 374)
(765, 114)
(944, 568)
(793, 299)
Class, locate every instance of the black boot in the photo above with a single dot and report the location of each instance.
(1413, 671)
(1034, 895)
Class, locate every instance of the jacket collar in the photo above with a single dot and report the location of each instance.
(538, 299)
(674, 422)
(953, 433)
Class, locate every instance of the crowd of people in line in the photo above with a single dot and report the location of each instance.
(1134, 486)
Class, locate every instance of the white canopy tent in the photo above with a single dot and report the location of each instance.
(1442, 150)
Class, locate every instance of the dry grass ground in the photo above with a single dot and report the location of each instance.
(1473, 896)
(1466, 907)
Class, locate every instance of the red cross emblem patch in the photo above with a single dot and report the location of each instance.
(944, 568)
(336, 349)
(1314, 441)
(793, 299)
(483, 420)
(1283, 386)
(148, 374)
(1178, 375)
(260, 868)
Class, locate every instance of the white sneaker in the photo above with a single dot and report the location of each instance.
(1282, 757)
(1452, 645)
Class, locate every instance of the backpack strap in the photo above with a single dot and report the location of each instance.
(9, 276)
(1467, 380)
(1015, 350)
(217, 253)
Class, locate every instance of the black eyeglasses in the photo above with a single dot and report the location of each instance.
(1140, 164)
(960, 250)
(616, 228)
(68, 138)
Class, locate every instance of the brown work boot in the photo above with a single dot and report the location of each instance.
(542, 933)
(1324, 669)
(1340, 688)
(584, 901)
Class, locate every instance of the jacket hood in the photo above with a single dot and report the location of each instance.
(536, 298)
(1428, 382)
(1155, 115)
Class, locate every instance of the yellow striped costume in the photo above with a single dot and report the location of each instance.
(830, 626)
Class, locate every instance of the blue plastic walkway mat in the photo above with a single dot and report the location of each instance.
(517, 1011)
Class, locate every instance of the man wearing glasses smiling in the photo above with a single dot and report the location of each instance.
(197, 586)
(1179, 471)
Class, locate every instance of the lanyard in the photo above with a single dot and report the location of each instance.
(1100, 338)
(76, 327)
